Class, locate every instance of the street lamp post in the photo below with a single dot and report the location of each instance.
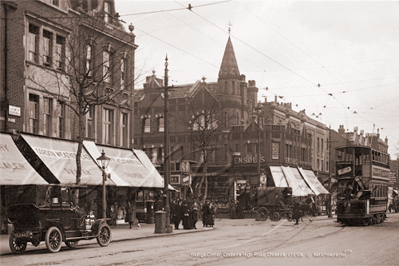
(103, 162)
(258, 110)
(169, 229)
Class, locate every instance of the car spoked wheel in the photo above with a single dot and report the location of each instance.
(17, 246)
(72, 244)
(53, 239)
(104, 235)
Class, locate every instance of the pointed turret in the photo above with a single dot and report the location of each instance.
(229, 68)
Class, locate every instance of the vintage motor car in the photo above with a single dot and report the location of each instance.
(53, 222)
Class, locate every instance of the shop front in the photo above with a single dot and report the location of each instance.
(15, 171)
(130, 175)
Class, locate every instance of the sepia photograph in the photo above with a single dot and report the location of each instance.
(220, 132)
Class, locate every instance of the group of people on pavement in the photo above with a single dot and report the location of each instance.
(188, 212)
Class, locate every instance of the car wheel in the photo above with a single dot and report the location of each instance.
(289, 217)
(72, 244)
(104, 235)
(17, 246)
(53, 239)
(263, 213)
(276, 216)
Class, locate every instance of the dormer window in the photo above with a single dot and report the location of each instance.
(56, 2)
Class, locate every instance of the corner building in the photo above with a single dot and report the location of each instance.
(215, 127)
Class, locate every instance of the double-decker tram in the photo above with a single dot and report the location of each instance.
(363, 174)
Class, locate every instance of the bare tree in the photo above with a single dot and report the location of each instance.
(92, 65)
(207, 116)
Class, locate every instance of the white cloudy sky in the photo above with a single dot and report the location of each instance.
(350, 48)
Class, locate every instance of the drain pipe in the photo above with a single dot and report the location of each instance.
(7, 7)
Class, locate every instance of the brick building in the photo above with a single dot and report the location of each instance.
(50, 49)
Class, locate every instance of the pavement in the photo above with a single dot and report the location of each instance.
(121, 232)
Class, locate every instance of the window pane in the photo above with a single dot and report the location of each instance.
(33, 113)
(161, 122)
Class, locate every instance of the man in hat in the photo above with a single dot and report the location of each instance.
(295, 211)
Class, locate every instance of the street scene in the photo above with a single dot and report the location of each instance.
(204, 132)
(232, 242)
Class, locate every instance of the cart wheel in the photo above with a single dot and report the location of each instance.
(53, 239)
(263, 213)
(17, 246)
(72, 244)
(276, 216)
(289, 217)
(104, 235)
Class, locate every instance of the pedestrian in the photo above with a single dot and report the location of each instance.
(177, 216)
(296, 211)
(113, 210)
(172, 211)
(309, 204)
(186, 215)
(390, 207)
(195, 213)
(129, 214)
(233, 209)
(207, 214)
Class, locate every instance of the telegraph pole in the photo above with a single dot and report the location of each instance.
(329, 180)
(166, 165)
(258, 110)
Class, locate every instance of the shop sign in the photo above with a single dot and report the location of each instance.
(344, 170)
(14, 110)
(245, 160)
(263, 178)
(186, 180)
(275, 150)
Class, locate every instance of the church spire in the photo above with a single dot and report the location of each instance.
(229, 68)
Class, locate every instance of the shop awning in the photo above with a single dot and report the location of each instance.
(310, 184)
(14, 168)
(125, 167)
(59, 156)
(315, 182)
(301, 182)
(278, 176)
(293, 183)
(150, 167)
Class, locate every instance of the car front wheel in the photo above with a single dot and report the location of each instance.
(104, 235)
(53, 239)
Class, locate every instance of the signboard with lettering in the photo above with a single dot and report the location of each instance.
(245, 160)
(344, 170)
(275, 150)
(59, 156)
(186, 180)
(380, 173)
(263, 178)
(14, 168)
(14, 110)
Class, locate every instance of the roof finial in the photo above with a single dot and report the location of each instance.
(229, 27)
